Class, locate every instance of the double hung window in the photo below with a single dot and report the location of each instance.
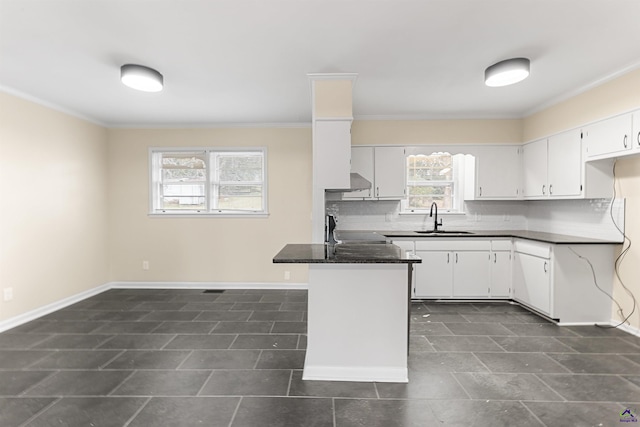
(208, 181)
(432, 179)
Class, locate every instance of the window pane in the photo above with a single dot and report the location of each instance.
(244, 197)
(429, 180)
(182, 202)
(240, 168)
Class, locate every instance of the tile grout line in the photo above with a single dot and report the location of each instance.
(134, 416)
(40, 412)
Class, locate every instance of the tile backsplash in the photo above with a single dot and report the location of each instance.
(586, 218)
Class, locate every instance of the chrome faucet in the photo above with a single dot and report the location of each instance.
(435, 222)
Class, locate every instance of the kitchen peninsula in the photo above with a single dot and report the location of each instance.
(359, 307)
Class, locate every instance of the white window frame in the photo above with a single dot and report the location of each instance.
(210, 184)
(457, 185)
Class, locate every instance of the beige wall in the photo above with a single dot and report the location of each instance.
(332, 98)
(208, 249)
(415, 132)
(53, 205)
(614, 97)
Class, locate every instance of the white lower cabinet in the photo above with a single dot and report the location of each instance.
(553, 279)
(452, 268)
(500, 269)
(532, 281)
(558, 280)
(471, 274)
(434, 276)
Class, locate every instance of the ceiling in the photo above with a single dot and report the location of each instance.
(238, 62)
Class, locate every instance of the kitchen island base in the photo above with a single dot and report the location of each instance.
(357, 325)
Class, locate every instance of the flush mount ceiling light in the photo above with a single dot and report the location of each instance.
(141, 78)
(507, 72)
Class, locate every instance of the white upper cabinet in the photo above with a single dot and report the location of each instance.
(389, 167)
(609, 138)
(534, 162)
(332, 154)
(497, 172)
(384, 167)
(553, 167)
(564, 167)
(362, 163)
(635, 140)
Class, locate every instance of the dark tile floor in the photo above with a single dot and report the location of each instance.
(188, 358)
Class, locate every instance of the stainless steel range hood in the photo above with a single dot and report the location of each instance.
(357, 183)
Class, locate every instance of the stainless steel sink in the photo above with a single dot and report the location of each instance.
(443, 232)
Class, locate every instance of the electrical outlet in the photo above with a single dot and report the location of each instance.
(145, 265)
(7, 294)
(287, 275)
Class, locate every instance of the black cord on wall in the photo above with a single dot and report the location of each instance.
(626, 245)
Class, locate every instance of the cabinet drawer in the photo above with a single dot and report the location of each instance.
(501, 245)
(541, 250)
(449, 244)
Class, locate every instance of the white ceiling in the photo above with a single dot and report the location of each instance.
(246, 61)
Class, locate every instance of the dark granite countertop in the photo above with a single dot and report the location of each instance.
(520, 234)
(345, 253)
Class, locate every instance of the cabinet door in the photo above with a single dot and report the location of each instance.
(471, 274)
(389, 172)
(636, 131)
(565, 164)
(434, 276)
(534, 162)
(362, 163)
(498, 173)
(332, 153)
(532, 281)
(609, 136)
(500, 274)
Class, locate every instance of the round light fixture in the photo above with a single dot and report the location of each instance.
(141, 78)
(507, 72)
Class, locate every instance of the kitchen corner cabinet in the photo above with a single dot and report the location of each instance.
(532, 277)
(552, 168)
(555, 281)
(610, 137)
(384, 167)
(497, 173)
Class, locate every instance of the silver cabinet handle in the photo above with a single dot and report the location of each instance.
(495, 258)
(545, 266)
(456, 257)
(550, 189)
(377, 191)
(544, 188)
(624, 141)
(448, 258)
(480, 192)
(638, 138)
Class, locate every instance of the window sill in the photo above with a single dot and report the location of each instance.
(207, 215)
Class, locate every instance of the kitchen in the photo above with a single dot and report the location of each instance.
(97, 199)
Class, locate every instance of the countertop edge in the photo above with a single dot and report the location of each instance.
(538, 236)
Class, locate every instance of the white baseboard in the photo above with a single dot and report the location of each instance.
(50, 308)
(627, 328)
(355, 373)
(58, 305)
(207, 285)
